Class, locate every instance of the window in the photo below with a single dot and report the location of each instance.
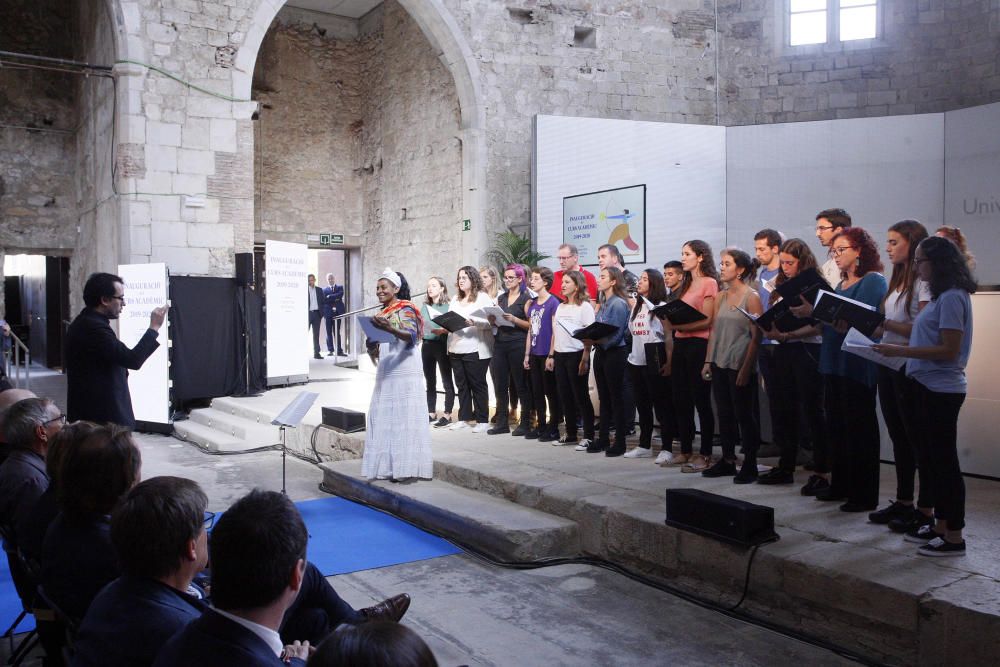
(831, 21)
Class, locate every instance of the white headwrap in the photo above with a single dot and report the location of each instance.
(391, 276)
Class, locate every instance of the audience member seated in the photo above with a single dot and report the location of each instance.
(29, 427)
(373, 645)
(31, 533)
(9, 397)
(265, 593)
(77, 557)
(159, 534)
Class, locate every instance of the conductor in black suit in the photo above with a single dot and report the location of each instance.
(97, 363)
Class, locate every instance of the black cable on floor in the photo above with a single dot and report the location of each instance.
(731, 612)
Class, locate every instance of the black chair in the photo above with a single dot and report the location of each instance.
(61, 621)
(22, 580)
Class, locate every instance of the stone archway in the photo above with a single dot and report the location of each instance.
(445, 36)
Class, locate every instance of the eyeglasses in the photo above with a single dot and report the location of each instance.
(61, 418)
(209, 520)
(840, 251)
(823, 228)
(510, 277)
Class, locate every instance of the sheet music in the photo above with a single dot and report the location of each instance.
(565, 326)
(373, 333)
(859, 344)
(819, 295)
(495, 311)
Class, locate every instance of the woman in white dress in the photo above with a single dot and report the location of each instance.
(397, 442)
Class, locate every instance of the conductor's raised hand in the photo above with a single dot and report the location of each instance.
(156, 317)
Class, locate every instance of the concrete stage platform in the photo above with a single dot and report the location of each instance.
(832, 575)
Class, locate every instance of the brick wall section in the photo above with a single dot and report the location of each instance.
(410, 141)
(309, 89)
(37, 197)
(652, 61)
(934, 55)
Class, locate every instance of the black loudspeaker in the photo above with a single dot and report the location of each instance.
(728, 519)
(244, 269)
(344, 420)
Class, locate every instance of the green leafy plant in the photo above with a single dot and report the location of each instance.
(512, 248)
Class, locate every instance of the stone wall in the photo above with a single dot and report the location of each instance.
(411, 157)
(37, 124)
(933, 56)
(306, 153)
(99, 244)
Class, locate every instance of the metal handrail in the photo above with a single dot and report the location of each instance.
(17, 345)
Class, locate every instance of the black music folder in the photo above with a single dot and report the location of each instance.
(451, 321)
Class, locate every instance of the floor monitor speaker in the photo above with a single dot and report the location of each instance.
(728, 519)
(344, 420)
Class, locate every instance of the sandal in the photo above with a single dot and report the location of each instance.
(697, 463)
(676, 459)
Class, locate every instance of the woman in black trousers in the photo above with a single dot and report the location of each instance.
(609, 363)
(571, 362)
(434, 352)
(508, 351)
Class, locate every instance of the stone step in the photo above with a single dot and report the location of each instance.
(497, 527)
(255, 432)
(207, 437)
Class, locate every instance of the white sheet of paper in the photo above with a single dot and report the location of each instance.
(859, 344)
(495, 311)
(565, 326)
(819, 295)
(373, 333)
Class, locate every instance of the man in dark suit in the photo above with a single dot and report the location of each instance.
(333, 305)
(315, 301)
(29, 426)
(96, 361)
(262, 583)
(159, 535)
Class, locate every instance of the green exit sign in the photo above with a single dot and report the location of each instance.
(331, 239)
(466, 225)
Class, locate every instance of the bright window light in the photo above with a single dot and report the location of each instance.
(807, 22)
(858, 19)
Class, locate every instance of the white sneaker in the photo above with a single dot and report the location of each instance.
(480, 428)
(458, 426)
(664, 457)
(639, 453)
(582, 445)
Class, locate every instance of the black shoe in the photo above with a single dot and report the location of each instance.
(921, 535)
(815, 485)
(387, 610)
(341, 353)
(851, 506)
(895, 510)
(596, 447)
(912, 522)
(747, 473)
(521, 431)
(777, 476)
(498, 429)
(617, 450)
(317, 356)
(721, 468)
(942, 547)
(827, 495)
(330, 354)
(533, 434)
(442, 422)
(549, 436)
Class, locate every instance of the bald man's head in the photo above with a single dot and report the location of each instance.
(7, 399)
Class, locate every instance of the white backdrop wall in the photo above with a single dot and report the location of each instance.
(682, 166)
(881, 170)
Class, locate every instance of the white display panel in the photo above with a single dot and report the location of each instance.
(682, 166)
(880, 170)
(972, 184)
(149, 387)
(616, 217)
(286, 303)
